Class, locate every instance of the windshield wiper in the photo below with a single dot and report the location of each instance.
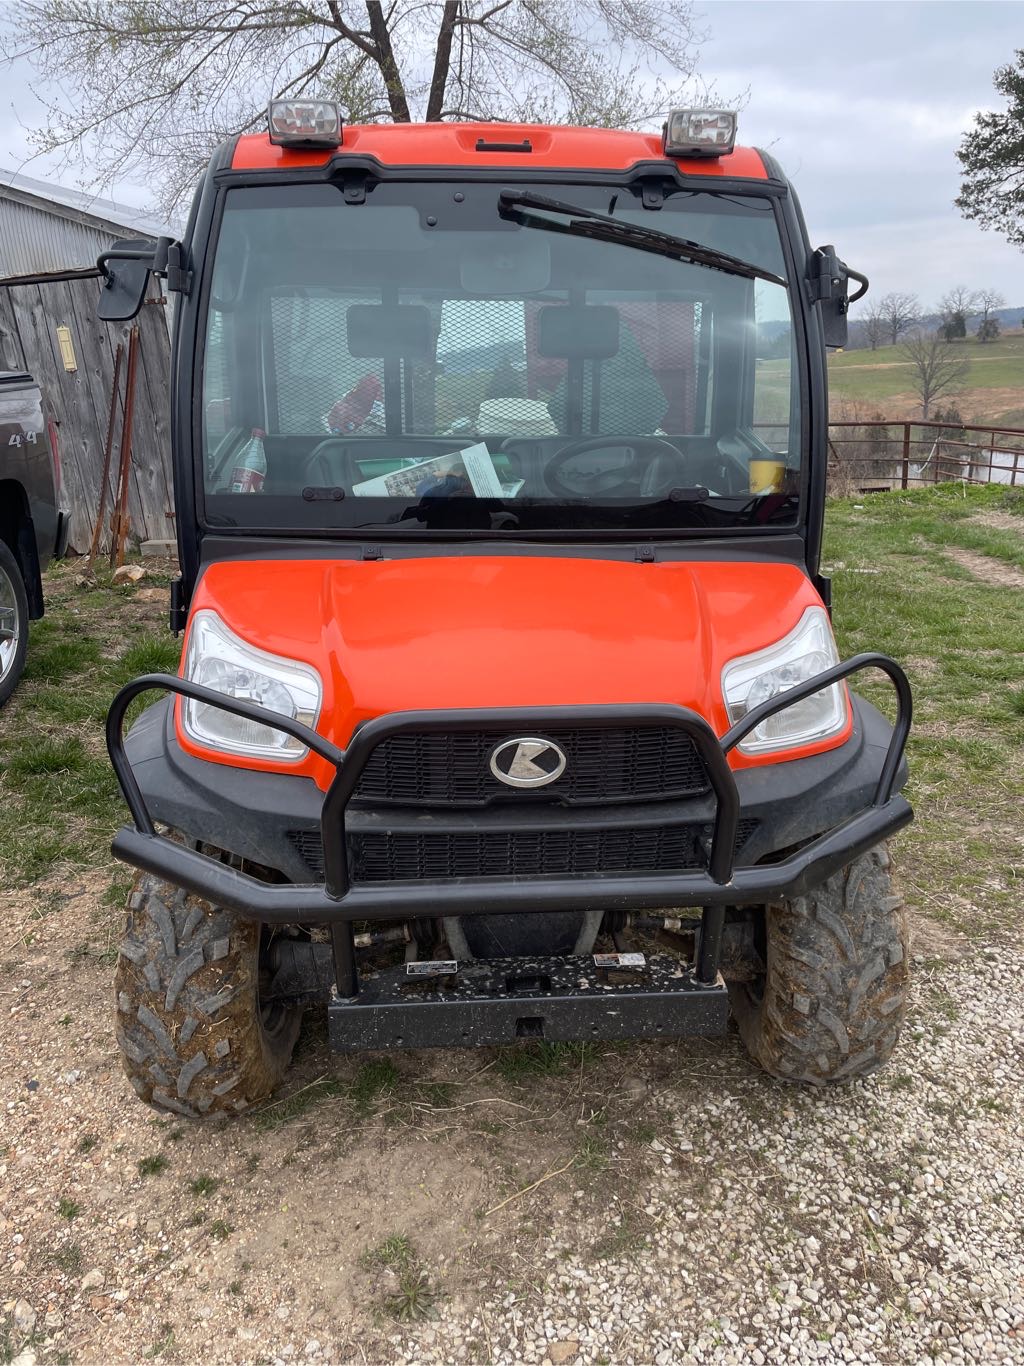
(585, 222)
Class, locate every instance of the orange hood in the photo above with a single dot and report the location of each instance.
(504, 631)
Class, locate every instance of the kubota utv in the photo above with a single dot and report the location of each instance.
(509, 706)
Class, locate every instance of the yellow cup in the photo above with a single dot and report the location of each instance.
(766, 476)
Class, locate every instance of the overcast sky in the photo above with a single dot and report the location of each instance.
(862, 101)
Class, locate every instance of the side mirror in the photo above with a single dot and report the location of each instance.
(126, 267)
(829, 287)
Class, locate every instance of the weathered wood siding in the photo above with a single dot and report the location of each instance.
(80, 401)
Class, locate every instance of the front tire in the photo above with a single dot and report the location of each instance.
(13, 622)
(193, 1033)
(831, 1002)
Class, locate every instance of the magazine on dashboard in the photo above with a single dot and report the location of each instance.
(467, 473)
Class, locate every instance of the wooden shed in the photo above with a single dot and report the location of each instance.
(49, 240)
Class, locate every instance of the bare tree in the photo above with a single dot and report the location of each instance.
(148, 87)
(937, 367)
(875, 327)
(955, 309)
(986, 303)
(899, 312)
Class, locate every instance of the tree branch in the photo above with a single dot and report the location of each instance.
(442, 60)
(386, 61)
(350, 34)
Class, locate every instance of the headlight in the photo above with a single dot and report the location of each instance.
(809, 649)
(218, 659)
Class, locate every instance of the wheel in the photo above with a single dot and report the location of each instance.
(831, 1002)
(13, 622)
(193, 1034)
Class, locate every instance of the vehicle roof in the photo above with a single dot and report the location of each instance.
(454, 144)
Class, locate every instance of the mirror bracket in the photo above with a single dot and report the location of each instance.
(827, 284)
(179, 277)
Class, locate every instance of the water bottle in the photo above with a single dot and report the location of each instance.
(250, 468)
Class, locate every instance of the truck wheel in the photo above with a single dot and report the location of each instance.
(13, 622)
(193, 1034)
(831, 1002)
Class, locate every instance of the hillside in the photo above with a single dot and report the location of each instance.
(882, 380)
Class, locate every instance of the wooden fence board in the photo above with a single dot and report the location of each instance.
(80, 401)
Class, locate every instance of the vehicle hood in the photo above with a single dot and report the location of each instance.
(453, 631)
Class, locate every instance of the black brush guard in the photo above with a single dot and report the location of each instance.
(383, 1015)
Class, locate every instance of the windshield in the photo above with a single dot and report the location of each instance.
(421, 361)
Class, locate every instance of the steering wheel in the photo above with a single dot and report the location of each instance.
(609, 483)
(317, 455)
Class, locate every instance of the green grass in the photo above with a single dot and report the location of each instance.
(68, 1259)
(961, 638)
(877, 375)
(521, 1063)
(59, 800)
(414, 1296)
(164, 1343)
(153, 1166)
(394, 1252)
(296, 1106)
(151, 656)
(56, 656)
(372, 1082)
(204, 1185)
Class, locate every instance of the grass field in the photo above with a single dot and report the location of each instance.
(936, 579)
(992, 391)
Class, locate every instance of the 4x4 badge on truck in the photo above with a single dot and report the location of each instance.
(527, 762)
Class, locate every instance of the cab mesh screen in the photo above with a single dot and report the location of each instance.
(486, 354)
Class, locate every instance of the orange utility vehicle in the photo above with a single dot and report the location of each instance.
(509, 705)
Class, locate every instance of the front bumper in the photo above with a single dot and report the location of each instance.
(847, 803)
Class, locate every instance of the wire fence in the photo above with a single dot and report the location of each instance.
(875, 455)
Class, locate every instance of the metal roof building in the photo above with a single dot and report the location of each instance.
(50, 238)
(46, 228)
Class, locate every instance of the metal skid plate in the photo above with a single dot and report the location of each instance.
(499, 1000)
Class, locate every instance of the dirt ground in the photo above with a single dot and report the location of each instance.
(981, 405)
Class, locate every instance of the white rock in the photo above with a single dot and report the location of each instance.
(129, 573)
(24, 1317)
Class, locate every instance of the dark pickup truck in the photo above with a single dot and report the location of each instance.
(33, 524)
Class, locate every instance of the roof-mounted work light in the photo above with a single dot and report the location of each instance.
(304, 123)
(699, 133)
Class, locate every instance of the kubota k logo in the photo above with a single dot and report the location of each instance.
(527, 762)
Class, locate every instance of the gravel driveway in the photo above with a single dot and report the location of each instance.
(660, 1203)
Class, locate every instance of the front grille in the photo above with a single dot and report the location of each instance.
(606, 764)
(404, 855)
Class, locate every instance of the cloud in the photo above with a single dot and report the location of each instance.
(864, 105)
